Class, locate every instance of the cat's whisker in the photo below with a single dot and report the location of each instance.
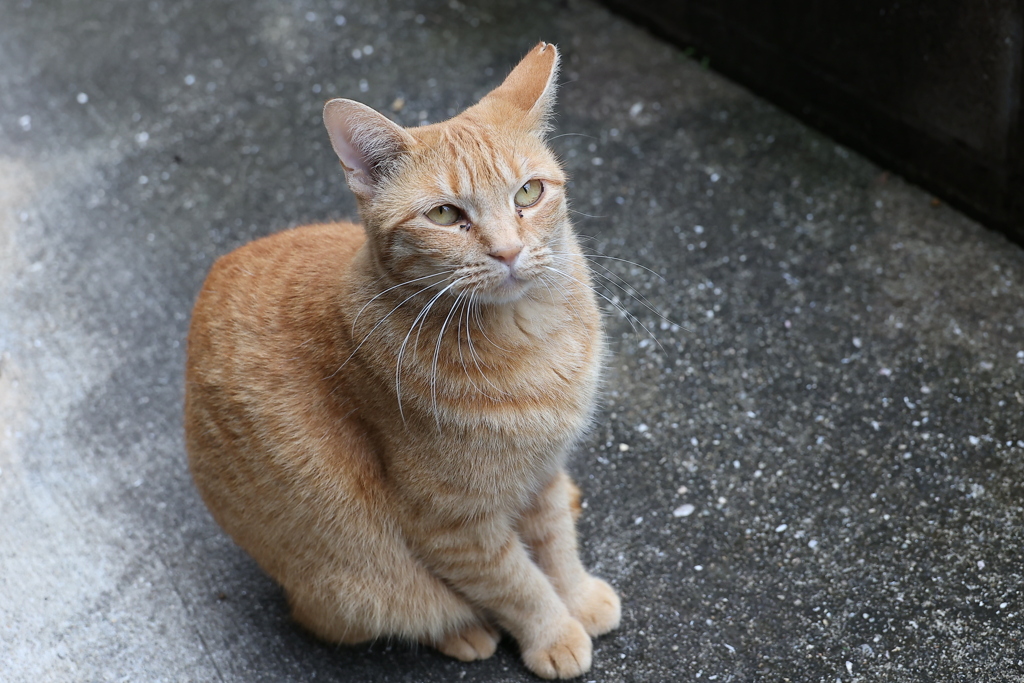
(483, 331)
(475, 356)
(619, 283)
(564, 135)
(628, 290)
(592, 238)
(475, 276)
(630, 318)
(374, 328)
(437, 353)
(420, 318)
(469, 344)
(631, 291)
(469, 303)
(585, 214)
(416, 344)
(615, 258)
(544, 280)
(599, 240)
(625, 285)
(458, 341)
(400, 284)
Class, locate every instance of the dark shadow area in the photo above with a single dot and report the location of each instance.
(931, 90)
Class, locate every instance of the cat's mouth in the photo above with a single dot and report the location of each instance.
(506, 289)
(497, 284)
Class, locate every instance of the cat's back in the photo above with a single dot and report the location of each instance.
(258, 408)
(261, 339)
(259, 296)
(297, 262)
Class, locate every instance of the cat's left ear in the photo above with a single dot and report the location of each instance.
(529, 91)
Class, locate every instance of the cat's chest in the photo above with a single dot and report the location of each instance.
(500, 431)
(545, 400)
(531, 367)
(494, 395)
(546, 389)
(495, 459)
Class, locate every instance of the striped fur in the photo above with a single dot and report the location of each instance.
(380, 415)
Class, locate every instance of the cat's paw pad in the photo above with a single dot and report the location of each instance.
(476, 641)
(598, 609)
(567, 655)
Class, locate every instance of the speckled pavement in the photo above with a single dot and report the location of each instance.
(809, 471)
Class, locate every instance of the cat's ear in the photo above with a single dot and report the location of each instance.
(529, 91)
(367, 143)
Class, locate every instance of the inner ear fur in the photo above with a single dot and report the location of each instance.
(367, 143)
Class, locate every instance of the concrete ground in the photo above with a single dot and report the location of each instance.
(813, 473)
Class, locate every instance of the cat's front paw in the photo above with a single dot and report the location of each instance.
(566, 655)
(598, 607)
(476, 641)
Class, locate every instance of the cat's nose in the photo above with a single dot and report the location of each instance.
(507, 254)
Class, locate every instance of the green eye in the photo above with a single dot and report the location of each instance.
(444, 215)
(529, 193)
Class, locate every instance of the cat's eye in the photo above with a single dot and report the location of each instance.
(528, 194)
(445, 214)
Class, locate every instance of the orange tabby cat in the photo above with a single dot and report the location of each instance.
(381, 415)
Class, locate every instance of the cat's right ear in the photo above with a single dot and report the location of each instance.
(528, 93)
(367, 143)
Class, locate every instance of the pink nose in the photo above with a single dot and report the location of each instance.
(507, 255)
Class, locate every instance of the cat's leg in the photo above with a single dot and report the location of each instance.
(475, 641)
(548, 528)
(486, 561)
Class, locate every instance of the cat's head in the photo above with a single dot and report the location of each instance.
(476, 202)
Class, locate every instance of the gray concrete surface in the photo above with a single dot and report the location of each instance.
(815, 476)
